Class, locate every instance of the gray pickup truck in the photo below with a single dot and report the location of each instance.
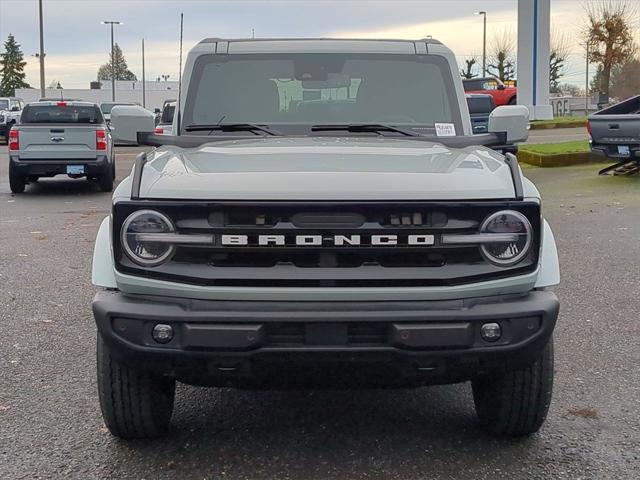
(615, 134)
(61, 138)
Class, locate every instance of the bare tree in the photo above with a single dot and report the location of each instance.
(558, 55)
(468, 70)
(609, 33)
(502, 59)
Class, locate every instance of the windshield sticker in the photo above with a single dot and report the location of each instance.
(445, 130)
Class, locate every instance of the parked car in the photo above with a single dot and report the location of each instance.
(374, 241)
(480, 107)
(106, 107)
(61, 138)
(10, 111)
(166, 118)
(614, 132)
(501, 93)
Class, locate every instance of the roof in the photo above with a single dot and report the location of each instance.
(319, 45)
(68, 102)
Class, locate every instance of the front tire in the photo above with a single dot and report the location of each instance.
(516, 403)
(513, 101)
(16, 181)
(134, 403)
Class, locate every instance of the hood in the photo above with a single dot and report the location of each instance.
(325, 168)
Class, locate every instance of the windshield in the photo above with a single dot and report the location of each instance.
(61, 114)
(4, 104)
(107, 107)
(316, 89)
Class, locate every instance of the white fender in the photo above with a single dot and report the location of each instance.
(549, 273)
(102, 269)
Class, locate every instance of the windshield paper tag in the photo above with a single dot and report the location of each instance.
(445, 130)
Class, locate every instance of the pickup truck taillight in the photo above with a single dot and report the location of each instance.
(158, 131)
(14, 140)
(101, 140)
(589, 129)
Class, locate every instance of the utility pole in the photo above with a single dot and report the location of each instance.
(586, 85)
(42, 92)
(113, 64)
(144, 83)
(484, 43)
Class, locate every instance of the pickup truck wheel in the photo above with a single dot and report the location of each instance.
(16, 182)
(513, 101)
(105, 181)
(134, 403)
(516, 403)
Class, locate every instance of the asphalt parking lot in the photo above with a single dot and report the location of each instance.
(50, 423)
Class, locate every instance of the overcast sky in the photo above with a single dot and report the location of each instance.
(77, 44)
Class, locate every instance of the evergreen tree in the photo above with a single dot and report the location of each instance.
(119, 65)
(12, 68)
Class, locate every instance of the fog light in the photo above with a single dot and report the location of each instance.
(162, 333)
(490, 332)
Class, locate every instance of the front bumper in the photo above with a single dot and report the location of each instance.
(51, 167)
(269, 344)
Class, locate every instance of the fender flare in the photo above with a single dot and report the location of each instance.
(102, 268)
(549, 273)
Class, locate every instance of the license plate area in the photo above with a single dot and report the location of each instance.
(624, 150)
(75, 170)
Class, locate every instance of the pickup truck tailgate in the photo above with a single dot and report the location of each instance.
(57, 142)
(616, 129)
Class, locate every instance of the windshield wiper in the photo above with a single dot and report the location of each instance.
(232, 127)
(363, 128)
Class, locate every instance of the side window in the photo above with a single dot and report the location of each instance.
(490, 85)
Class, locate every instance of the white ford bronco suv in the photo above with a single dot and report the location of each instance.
(321, 214)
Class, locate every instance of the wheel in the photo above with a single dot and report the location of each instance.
(516, 403)
(113, 168)
(105, 181)
(134, 403)
(513, 101)
(16, 181)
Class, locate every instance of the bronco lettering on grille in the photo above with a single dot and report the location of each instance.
(319, 240)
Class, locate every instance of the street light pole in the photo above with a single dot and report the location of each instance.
(42, 92)
(113, 70)
(484, 43)
(144, 83)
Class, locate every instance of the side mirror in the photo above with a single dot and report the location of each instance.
(511, 120)
(501, 87)
(129, 120)
(15, 109)
(156, 110)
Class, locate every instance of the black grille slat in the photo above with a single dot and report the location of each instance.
(328, 264)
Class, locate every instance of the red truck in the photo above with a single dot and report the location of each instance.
(501, 93)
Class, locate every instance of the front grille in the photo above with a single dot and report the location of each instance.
(327, 264)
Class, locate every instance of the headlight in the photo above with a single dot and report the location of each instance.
(507, 253)
(138, 237)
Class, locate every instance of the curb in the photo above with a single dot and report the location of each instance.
(551, 126)
(559, 160)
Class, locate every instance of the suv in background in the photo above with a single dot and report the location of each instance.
(166, 118)
(61, 138)
(480, 107)
(502, 94)
(106, 107)
(10, 111)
